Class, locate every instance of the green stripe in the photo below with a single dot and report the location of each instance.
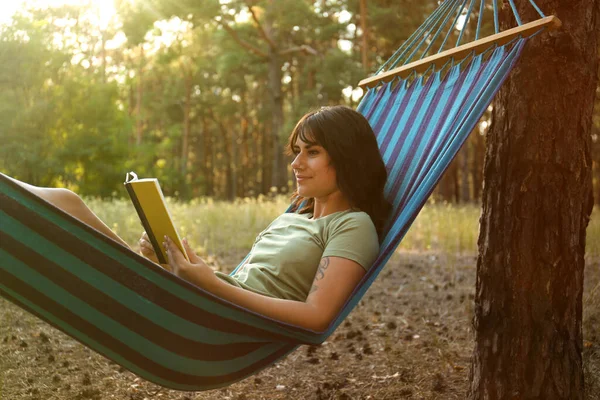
(125, 296)
(183, 293)
(99, 347)
(133, 340)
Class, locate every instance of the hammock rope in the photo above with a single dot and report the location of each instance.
(450, 18)
(177, 335)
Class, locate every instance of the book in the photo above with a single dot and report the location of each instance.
(149, 202)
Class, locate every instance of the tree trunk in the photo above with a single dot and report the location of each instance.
(537, 201)
(266, 150)
(597, 177)
(103, 54)
(138, 106)
(233, 164)
(245, 150)
(208, 158)
(456, 181)
(596, 157)
(198, 151)
(311, 79)
(187, 107)
(365, 35)
(445, 189)
(229, 178)
(465, 187)
(131, 109)
(478, 154)
(276, 96)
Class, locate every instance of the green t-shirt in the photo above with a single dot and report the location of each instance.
(285, 256)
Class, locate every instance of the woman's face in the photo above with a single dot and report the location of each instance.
(315, 175)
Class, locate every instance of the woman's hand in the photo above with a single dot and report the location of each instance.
(147, 251)
(195, 271)
(146, 248)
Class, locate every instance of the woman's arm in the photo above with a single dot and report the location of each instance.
(335, 279)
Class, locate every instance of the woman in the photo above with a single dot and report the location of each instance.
(303, 267)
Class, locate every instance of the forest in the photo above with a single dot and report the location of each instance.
(494, 292)
(200, 94)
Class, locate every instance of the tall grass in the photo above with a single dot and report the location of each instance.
(220, 228)
(212, 227)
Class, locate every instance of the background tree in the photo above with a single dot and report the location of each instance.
(61, 124)
(537, 201)
(184, 91)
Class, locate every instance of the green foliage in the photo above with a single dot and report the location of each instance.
(337, 72)
(180, 90)
(93, 135)
(60, 123)
(197, 11)
(137, 18)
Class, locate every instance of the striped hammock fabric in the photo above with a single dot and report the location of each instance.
(177, 335)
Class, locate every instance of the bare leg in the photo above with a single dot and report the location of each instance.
(72, 204)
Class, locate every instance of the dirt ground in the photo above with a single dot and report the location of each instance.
(410, 338)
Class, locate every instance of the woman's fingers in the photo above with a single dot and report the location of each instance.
(176, 257)
(144, 242)
(192, 256)
(146, 248)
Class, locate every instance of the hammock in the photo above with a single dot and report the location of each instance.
(177, 335)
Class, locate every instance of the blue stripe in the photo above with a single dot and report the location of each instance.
(412, 93)
(90, 342)
(133, 340)
(125, 296)
(471, 102)
(191, 295)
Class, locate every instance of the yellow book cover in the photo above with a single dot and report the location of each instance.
(149, 202)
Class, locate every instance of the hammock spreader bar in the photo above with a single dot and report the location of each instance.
(459, 53)
(451, 17)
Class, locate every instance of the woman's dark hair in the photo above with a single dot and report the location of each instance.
(350, 142)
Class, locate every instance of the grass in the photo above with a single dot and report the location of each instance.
(219, 228)
(212, 227)
(406, 296)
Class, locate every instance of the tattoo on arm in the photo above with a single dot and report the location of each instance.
(323, 264)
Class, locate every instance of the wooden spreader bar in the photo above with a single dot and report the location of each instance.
(458, 53)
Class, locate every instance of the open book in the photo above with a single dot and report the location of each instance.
(149, 202)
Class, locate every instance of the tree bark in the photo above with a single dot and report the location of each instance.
(245, 149)
(277, 115)
(537, 200)
(233, 163)
(208, 158)
(138, 106)
(596, 148)
(267, 165)
(229, 179)
(446, 188)
(465, 187)
(103, 54)
(365, 35)
(478, 154)
(597, 197)
(187, 109)
(456, 181)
